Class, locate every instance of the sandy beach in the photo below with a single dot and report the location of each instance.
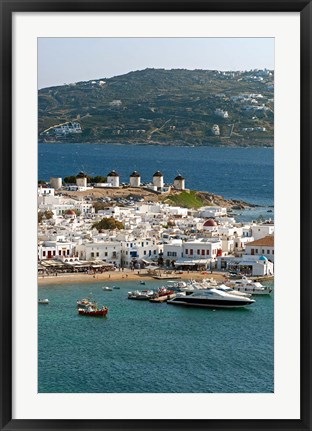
(119, 276)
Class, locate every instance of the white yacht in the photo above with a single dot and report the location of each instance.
(212, 298)
(249, 286)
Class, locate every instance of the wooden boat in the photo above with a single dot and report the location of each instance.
(93, 312)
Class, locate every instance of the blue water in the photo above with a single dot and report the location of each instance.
(144, 347)
(238, 173)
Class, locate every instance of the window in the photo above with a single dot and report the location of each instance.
(43, 253)
(256, 250)
(263, 251)
(198, 251)
(144, 252)
(92, 254)
(60, 252)
(191, 252)
(272, 251)
(97, 254)
(207, 252)
(186, 251)
(203, 252)
(105, 254)
(268, 251)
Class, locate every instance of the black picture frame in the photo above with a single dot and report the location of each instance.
(7, 9)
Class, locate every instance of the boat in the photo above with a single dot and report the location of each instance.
(43, 301)
(116, 287)
(107, 288)
(142, 282)
(211, 298)
(140, 294)
(93, 311)
(249, 286)
(162, 294)
(232, 291)
(85, 303)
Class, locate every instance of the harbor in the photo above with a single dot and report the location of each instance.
(142, 347)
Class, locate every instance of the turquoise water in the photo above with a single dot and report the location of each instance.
(143, 347)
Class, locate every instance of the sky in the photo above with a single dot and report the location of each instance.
(67, 60)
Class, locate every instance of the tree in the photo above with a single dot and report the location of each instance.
(69, 180)
(109, 224)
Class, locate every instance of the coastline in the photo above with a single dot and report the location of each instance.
(113, 276)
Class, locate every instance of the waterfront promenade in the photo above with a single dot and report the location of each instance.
(126, 275)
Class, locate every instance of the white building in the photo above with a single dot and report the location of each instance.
(261, 230)
(220, 113)
(54, 249)
(108, 251)
(45, 191)
(113, 179)
(136, 250)
(179, 182)
(56, 183)
(135, 179)
(215, 130)
(158, 180)
(262, 247)
(212, 211)
(81, 180)
(249, 265)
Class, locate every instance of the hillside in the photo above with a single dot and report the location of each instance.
(168, 107)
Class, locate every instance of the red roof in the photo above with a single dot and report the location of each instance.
(210, 222)
(267, 241)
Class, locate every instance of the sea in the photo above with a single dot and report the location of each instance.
(142, 347)
(236, 173)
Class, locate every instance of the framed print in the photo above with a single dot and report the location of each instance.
(155, 203)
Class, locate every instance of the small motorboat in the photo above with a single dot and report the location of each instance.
(116, 287)
(93, 311)
(86, 302)
(43, 301)
(140, 294)
(142, 282)
(249, 286)
(109, 289)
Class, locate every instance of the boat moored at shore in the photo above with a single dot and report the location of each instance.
(211, 298)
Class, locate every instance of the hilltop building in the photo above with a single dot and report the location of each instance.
(81, 180)
(56, 183)
(158, 180)
(113, 179)
(135, 179)
(179, 183)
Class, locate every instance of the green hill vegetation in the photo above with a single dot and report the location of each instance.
(168, 107)
(186, 199)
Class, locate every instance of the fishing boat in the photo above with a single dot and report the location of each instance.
(162, 294)
(43, 301)
(93, 311)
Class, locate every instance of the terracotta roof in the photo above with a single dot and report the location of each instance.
(265, 241)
